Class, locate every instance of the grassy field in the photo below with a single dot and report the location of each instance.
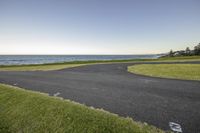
(181, 58)
(32, 112)
(44, 67)
(57, 66)
(175, 71)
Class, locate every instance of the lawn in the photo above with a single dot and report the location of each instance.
(32, 112)
(175, 71)
(181, 58)
(42, 67)
(57, 66)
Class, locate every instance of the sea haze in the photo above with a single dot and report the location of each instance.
(41, 59)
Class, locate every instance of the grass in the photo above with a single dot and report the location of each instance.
(31, 112)
(195, 58)
(175, 71)
(43, 67)
(57, 66)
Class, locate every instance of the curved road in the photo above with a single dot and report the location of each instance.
(156, 101)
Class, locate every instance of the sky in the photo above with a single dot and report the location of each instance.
(98, 26)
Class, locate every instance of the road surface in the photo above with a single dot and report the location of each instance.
(156, 101)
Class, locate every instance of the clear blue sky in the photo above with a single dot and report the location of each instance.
(98, 26)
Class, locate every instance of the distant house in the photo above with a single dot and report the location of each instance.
(179, 53)
(186, 52)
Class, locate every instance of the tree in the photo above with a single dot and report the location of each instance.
(187, 51)
(197, 49)
(171, 53)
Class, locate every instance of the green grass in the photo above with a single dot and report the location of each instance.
(57, 66)
(23, 111)
(181, 58)
(44, 67)
(175, 71)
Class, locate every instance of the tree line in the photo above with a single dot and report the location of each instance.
(186, 52)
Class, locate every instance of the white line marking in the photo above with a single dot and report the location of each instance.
(56, 94)
(175, 127)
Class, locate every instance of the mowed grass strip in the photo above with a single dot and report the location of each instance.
(175, 71)
(31, 112)
(193, 58)
(43, 67)
(58, 66)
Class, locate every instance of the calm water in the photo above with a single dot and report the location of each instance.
(41, 59)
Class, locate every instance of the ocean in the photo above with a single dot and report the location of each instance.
(42, 59)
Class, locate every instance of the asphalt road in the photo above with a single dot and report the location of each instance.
(156, 101)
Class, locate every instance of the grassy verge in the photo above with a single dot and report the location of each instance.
(177, 71)
(57, 66)
(31, 112)
(181, 58)
(43, 67)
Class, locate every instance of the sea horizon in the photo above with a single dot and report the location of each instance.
(43, 59)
